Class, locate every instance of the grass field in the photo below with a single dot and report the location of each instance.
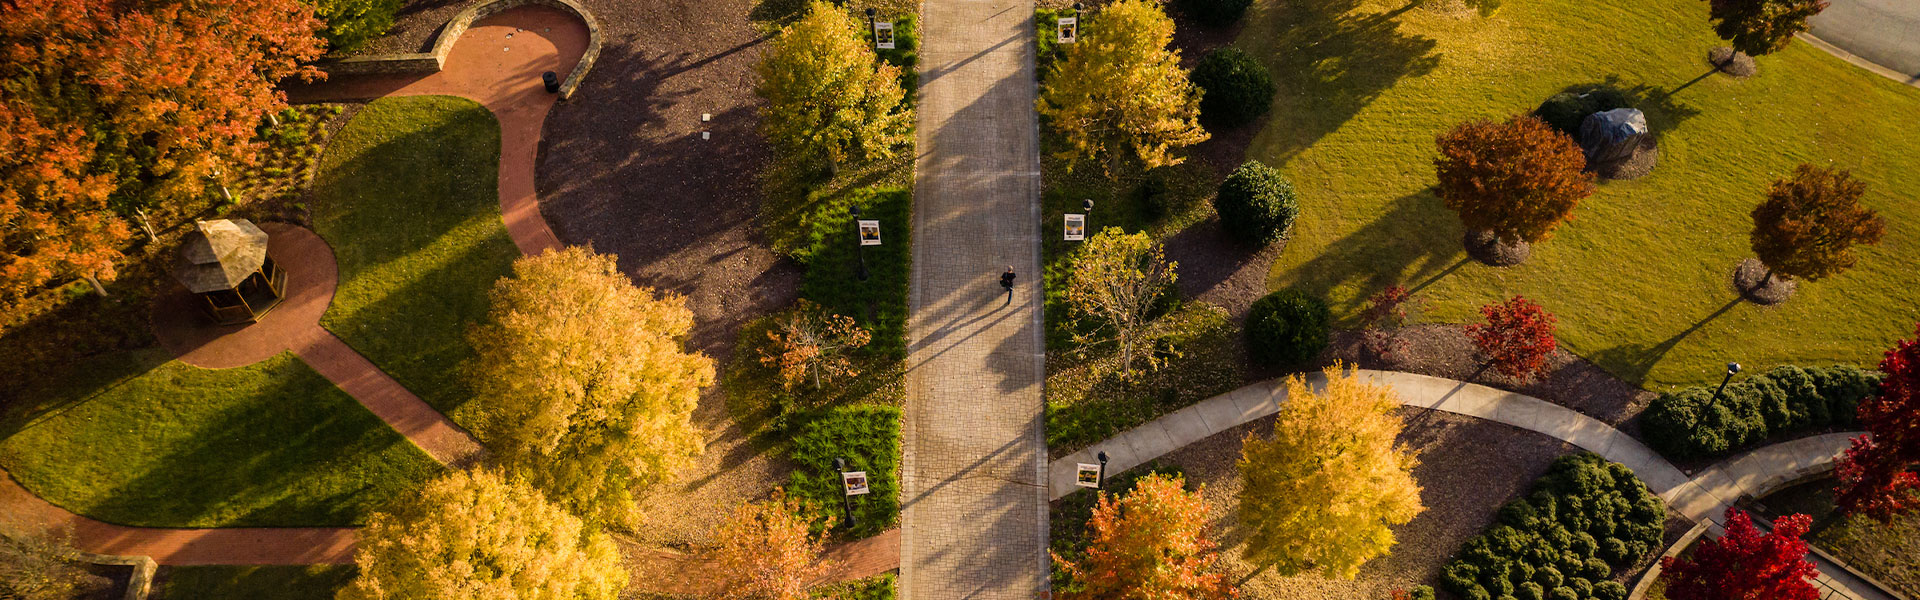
(312, 582)
(406, 195)
(1889, 552)
(142, 440)
(1641, 278)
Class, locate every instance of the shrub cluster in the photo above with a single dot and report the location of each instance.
(1583, 519)
(1565, 111)
(1287, 327)
(1047, 46)
(1216, 13)
(905, 53)
(869, 438)
(832, 256)
(1257, 204)
(1236, 88)
(1689, 423)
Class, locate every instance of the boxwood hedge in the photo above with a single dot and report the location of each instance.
(1585, 518)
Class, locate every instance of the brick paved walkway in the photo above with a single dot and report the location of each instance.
(973, 489)
(229, 546)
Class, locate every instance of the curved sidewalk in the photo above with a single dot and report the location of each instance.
(225, 546)
(497, 62)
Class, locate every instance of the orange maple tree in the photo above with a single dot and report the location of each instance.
(111, 107)
(1810, 222)
(767, 551)
(810, 344)
(1517, 179)
(1150, 543)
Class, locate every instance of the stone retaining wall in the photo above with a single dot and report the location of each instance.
(432, 62)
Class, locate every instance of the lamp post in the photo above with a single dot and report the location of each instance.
(870, 30)
(1732, 367)
(1102, 482)
(1086, 206)
(840, 464)
(860, 245)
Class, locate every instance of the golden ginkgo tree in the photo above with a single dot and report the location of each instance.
(1121, 94)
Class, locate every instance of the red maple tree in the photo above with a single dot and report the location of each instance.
(116, 106)
(1517, 337)
(1746, 564)
(1876, 475)
(1149, 544)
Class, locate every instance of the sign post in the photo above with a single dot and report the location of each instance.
(1088, 476)
(854, 483)
(1069, 30)
(1076, 227)
(883, 35)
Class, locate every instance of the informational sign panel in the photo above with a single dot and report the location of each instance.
(883, 35)
(1088, 477)
(869, 233)
(856, 482)
(1069, 29)
(1076, 227)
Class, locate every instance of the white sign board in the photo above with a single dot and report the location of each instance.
(1069, 29)
(856, 482)
(883, 35)
(1088, 477)
(1076, 227)
(869, 233)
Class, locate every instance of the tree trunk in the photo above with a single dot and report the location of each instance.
(97, 288)
(146, 225)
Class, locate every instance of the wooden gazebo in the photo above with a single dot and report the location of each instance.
(225, 262)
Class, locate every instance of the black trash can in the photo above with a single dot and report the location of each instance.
(552, 81)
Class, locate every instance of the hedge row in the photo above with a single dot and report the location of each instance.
(1689, 423)
(1585, 518)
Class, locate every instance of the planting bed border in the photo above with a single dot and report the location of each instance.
(431, 62)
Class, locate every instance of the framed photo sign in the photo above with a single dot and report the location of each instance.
(856, 482)
(869, 233)
(1088, 476)
(883, 35)
(1069, 29)
(1076, 227)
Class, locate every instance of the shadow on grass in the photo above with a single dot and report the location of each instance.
(1632, 362)
(1663, 112)
(1332, 60)
(1415, 240)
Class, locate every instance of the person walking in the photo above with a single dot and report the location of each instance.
(1006, 281)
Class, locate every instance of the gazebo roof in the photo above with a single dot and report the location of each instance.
(220, 255)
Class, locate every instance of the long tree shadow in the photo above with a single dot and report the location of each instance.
(1415, 239)
(1663, 112)
(1331, 60)
(1632, 362)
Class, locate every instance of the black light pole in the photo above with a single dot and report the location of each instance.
(840, 464)
(1732, 367)
(860, 249)
(1086, 206)
(870, 29)
(1102, 481)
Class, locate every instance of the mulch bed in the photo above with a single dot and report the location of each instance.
(1483, 246)
(1726, 60)
(1446, 351)
(1468, 468)
(1750, 279)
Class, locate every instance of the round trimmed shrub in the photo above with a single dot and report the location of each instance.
(1287, 327)
(1216, 13)
(1563, 593)
(1257, 204)
(1565, 111)
(1610, 590)
(1237, 88)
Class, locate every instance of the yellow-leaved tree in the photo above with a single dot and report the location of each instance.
(1120, 88)
(479, 534)
(1323, 494)
(581, 383)
(829, 97)
(768, 552)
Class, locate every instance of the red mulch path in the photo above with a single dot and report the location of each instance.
(183, 329)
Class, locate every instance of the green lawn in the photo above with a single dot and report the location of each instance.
(406, 195)
(138, 439)
(312, 582)
(1640, 278)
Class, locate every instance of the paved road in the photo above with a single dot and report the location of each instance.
(974, 466)
(1885, 32)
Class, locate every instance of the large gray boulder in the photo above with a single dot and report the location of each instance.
(1612, 136)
